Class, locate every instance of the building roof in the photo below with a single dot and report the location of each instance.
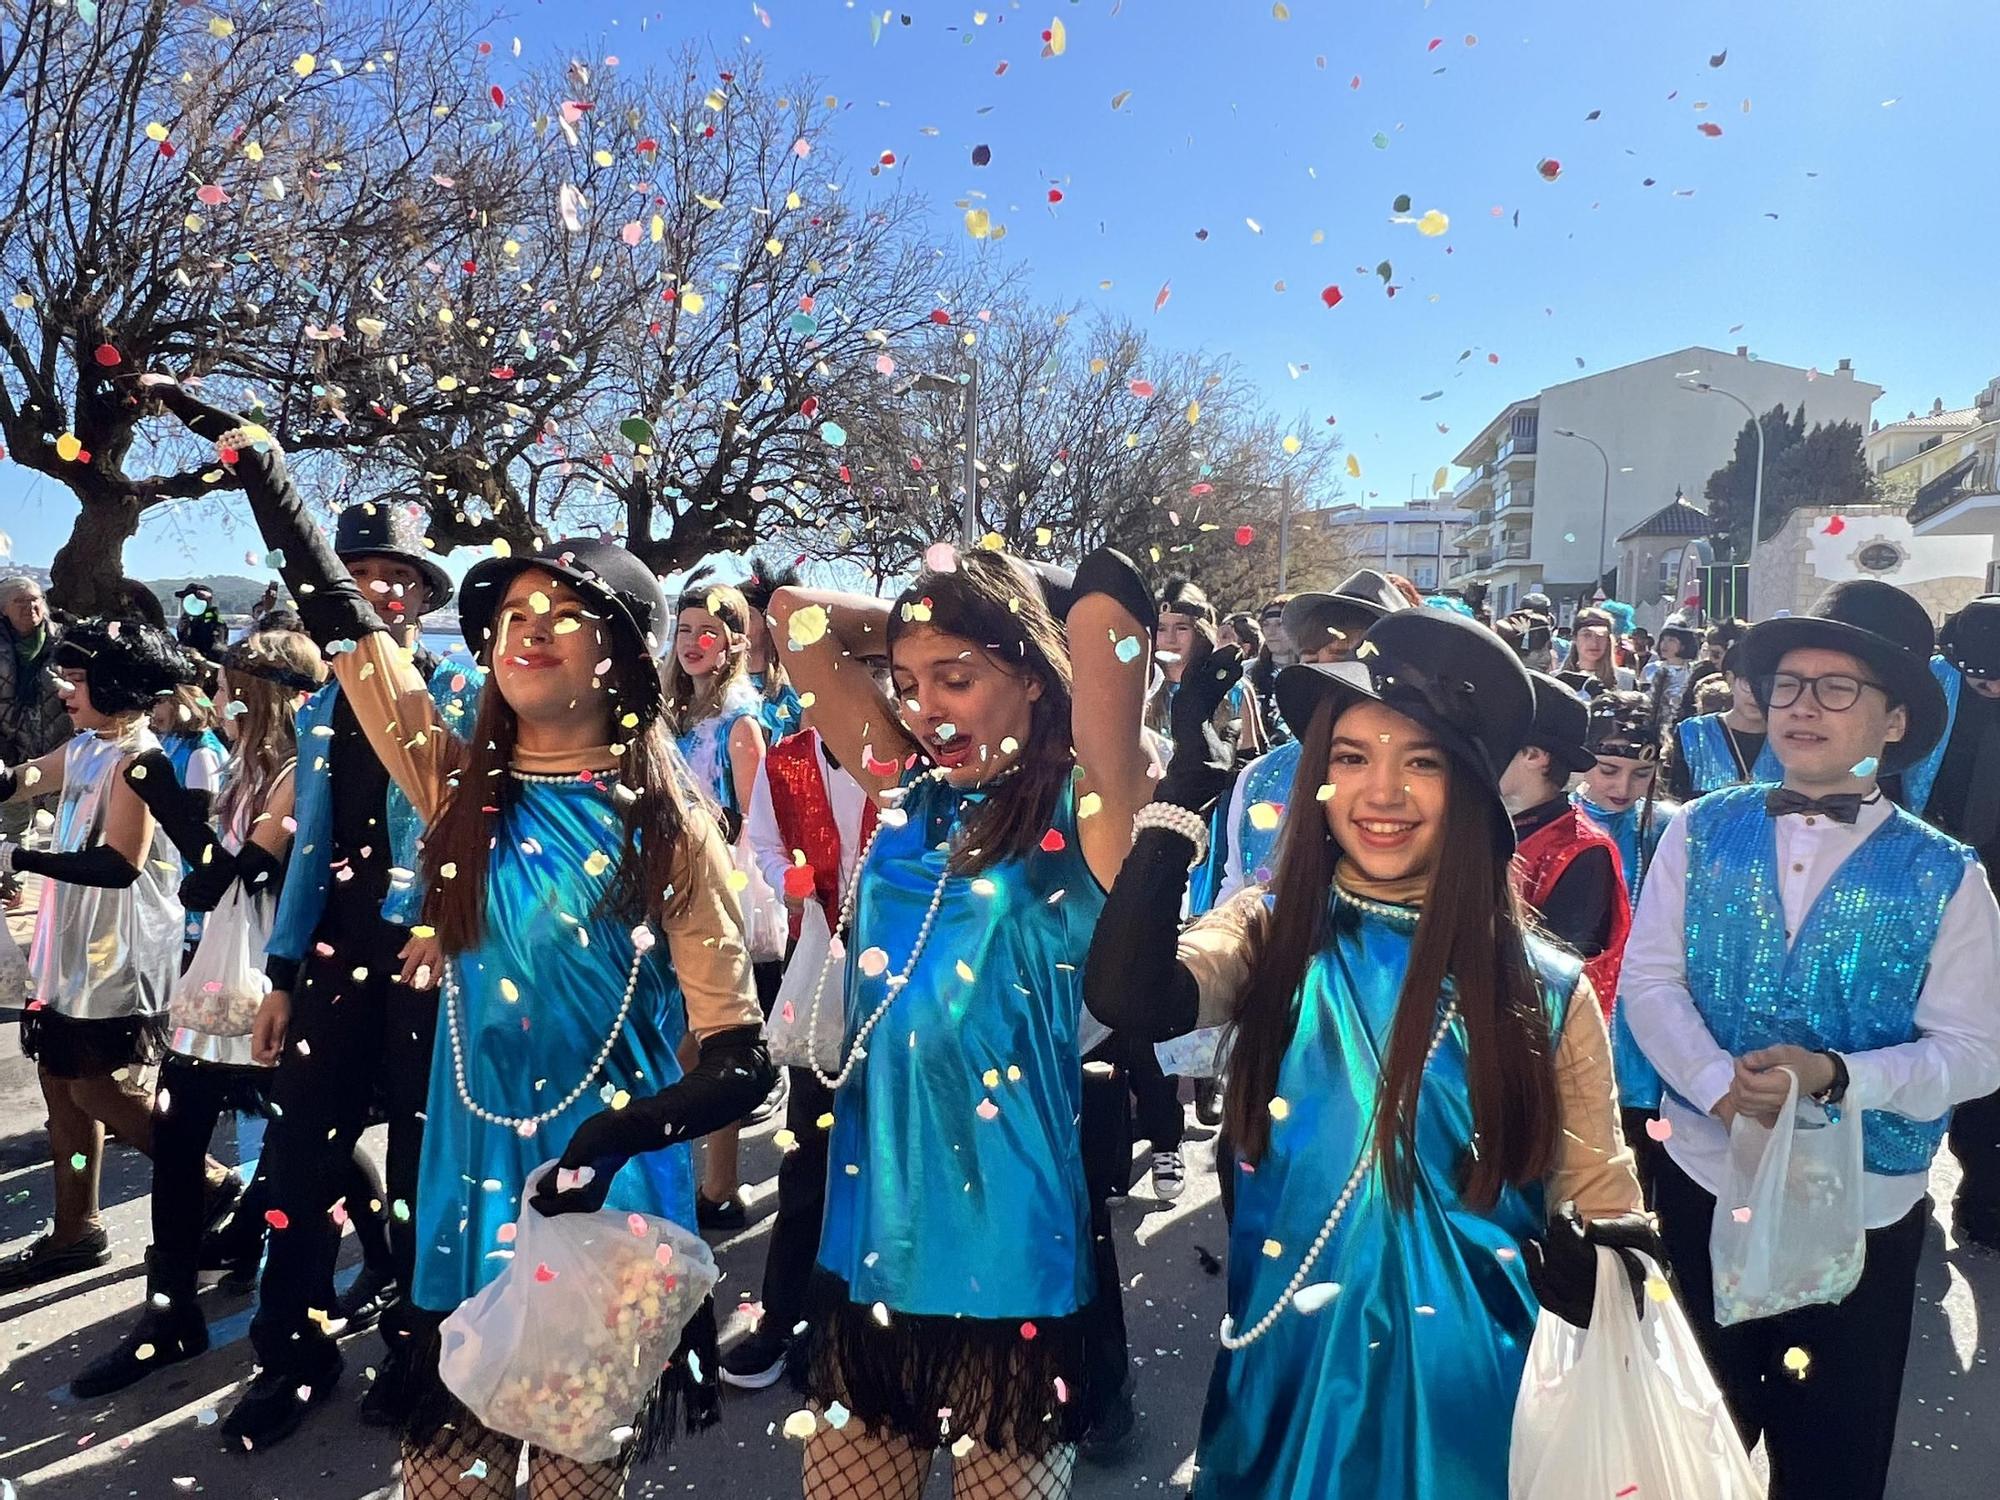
(1676, 519)
(1949, 421)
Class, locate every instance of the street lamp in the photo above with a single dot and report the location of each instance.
(1757, 503)
(966, 386)
(1604, 508)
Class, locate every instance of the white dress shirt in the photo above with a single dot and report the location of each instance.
(767, 843)
(1956, 1054)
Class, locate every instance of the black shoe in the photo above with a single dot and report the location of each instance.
(773, 1101)
(1208, 1101)
(387, 1401)
(167, 1333)
(1110, 1436)
(272, 1409)
(45, 1260)
(362, 1304)
(728, 1214)
(756, 1363)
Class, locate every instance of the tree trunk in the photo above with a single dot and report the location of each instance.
(87, 576)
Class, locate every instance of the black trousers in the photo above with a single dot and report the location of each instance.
(352, 1042)
(788, 1261)
(191, 1098)
(1831, 1429)
(1975, 1141)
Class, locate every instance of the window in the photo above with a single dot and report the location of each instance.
(1667, 568)
(1426, 576)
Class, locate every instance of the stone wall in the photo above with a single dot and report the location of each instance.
(1823, 545)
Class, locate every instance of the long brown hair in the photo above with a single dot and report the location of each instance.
(1470, 930)
(655, 816)
(689, 702)
(1606, 670)
(1183, 596)
(997, 605)
(264, 737)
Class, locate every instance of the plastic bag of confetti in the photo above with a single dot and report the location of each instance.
(564, 1348)
(796, 1037)
(1788, 1229)
(1626, 1406)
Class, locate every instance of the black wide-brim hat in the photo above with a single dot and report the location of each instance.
(386, 529)
(1562, 723)
(1888, 631)
(1446, 672)
(1970, 639)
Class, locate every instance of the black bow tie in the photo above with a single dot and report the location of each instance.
(1842, 807)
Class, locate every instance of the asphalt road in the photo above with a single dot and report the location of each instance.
(159, 1439)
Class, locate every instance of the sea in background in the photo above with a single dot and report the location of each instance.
(446, 643)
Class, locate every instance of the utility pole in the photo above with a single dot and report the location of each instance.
(968, 527)
(1284, 529)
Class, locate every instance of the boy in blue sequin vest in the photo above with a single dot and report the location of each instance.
(1814, 928)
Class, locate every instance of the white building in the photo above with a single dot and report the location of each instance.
(1957, 485)
(1891, 446)
(1417, 539)
(1546, 511)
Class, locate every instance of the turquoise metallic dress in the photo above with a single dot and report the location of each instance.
(956, 1211)
(1403, 1383)
(1639, 1086)
(531, 1005)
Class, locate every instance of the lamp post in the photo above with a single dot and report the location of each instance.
(1604, 506)
(967, 387)
(1757, 501)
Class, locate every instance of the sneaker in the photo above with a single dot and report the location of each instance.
(1110, 1436)
(372, 1293)
(1169, 1174)
(166, 1333)
(755, 1363)
(45, 1260)
(773, 1101)
(729, 1214)
(1208, 1100)
(276, 1403)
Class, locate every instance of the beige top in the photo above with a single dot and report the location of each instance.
(1593, 1164)
(704, 929)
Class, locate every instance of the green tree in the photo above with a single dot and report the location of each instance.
(1823, 465)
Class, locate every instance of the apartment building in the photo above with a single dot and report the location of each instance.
(1416, 539)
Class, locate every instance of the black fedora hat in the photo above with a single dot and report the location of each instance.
(1364, 596)
(378, 528)
(1888, 631)
(1445, 672)
(1970, 639)
(1562, 723)
(600, 570)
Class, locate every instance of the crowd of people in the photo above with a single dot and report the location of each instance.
(1475, 938)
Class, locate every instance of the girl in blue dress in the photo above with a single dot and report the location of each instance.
(1389, 1009)
(581, 904)
(777, 700)
(957, 1295)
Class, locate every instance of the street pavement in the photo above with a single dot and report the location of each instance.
(160, 1438)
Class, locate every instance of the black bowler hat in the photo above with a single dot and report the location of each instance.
(1889, 631)
(601, 571)
(1970, 639)
(1562, 723)
(1364, 594)
(372, 528)
(1446, 672)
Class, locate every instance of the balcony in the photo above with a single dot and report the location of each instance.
(1518, 451)
(1469, 488)
(1514, 551)
(1513, 496)
(1976, 477)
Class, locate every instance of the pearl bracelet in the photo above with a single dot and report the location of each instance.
(1189, 825)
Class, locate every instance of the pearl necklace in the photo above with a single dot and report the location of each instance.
(1288, 1298)
(526, 1125)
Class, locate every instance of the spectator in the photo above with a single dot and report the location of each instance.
(32, 720)
(200, 628)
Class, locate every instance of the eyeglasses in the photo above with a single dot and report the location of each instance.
(1836, 693)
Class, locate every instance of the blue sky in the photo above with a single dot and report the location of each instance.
(1868, 135)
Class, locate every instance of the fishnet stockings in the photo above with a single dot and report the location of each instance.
(855, 1464)
(454, 1471)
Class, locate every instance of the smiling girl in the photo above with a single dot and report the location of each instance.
(1389, 1010)
(1592, 663)
(957, 1273)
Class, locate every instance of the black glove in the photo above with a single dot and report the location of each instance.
(1562, 1266)
(732, 1075)
(1108, 571)
(1202, 760)
(1133, 981)
(99, 865)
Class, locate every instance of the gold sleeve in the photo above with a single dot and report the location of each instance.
(705, 933)
(1593, 1164)
(393, 704)
(1217, 949)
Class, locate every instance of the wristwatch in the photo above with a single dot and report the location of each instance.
(1834, 1092)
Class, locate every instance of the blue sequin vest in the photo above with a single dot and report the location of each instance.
(1849, 981)
(1269, 779)
(1711, 759)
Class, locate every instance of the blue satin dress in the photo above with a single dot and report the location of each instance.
(936, 1203)
(535, 1001)
(1403, 1384)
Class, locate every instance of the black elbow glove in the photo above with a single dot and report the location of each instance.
(207, 882)
(1132, 981)
(1562, 1266)
(732, 1075)
(99, 865)
(1110, 572)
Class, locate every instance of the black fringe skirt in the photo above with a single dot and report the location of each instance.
(688, 1397)
(70, 1048)
(1014, 1385)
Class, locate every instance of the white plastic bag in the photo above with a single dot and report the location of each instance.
(786, 1031)
(1788, 1228)
(765, 924)
(564, 1347)
(1624, 1407)
(219, 992)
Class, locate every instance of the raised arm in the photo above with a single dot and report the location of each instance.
(827, 638)
(1110, 631)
